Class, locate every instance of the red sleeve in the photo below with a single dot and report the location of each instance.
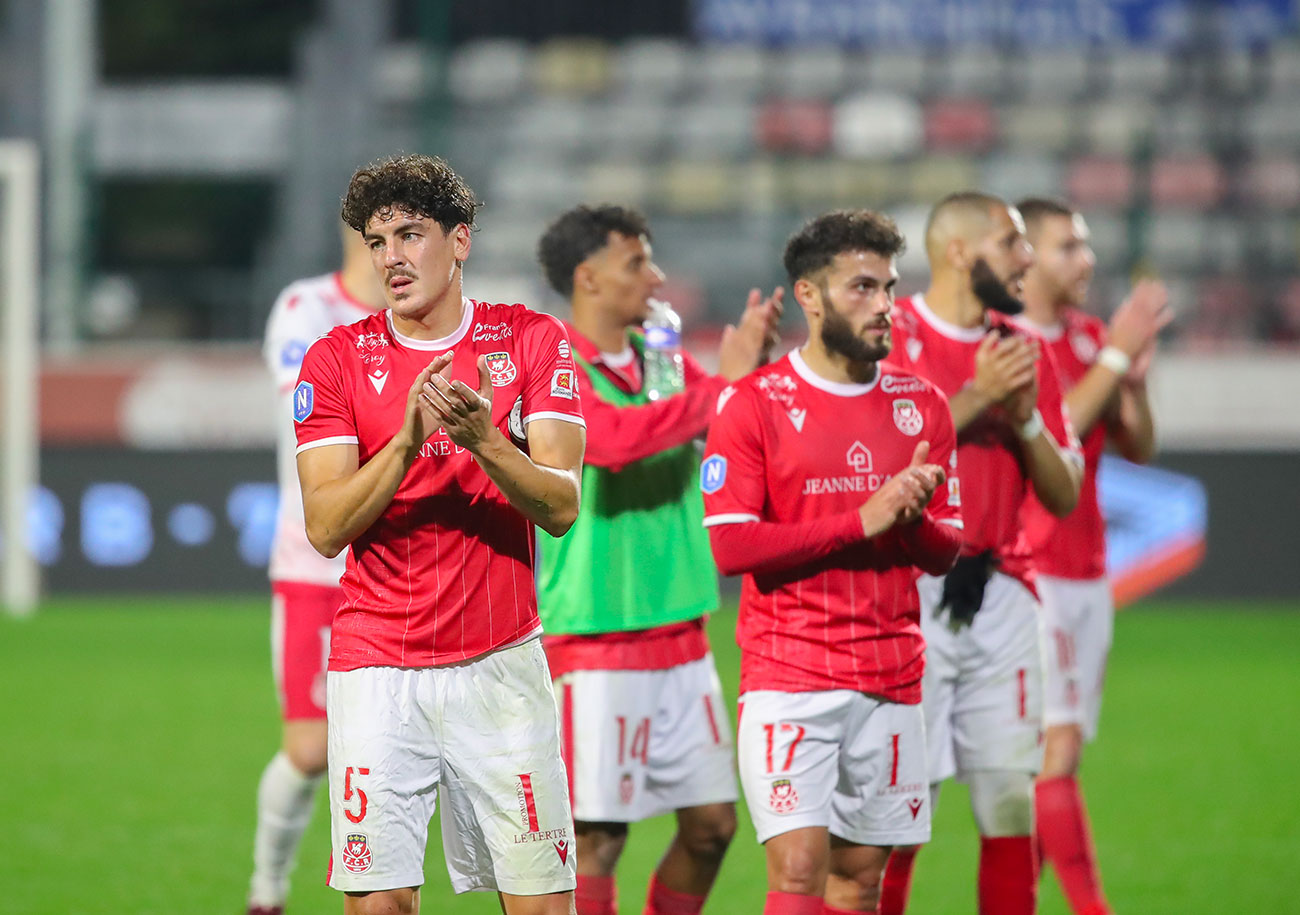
(1051, 406)
(770, 546)
(934, 542)
(618, 436)
(551, 384)
(322, 413)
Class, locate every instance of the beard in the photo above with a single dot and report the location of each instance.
(992, 291)
(838, 337)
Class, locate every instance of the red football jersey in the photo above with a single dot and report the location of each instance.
(790, 446)
(1073, 546)
(988, 449)
(445, 573)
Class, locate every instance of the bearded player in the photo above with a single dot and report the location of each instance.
(984, 659)
(304, 585)
(432, 437)
(1103, 370)
(830, 483)
(625, 592)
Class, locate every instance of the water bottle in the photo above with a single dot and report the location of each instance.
(665, 374)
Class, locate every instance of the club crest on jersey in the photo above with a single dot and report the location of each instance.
(859, 458)
(781, 389)
(1084, 347)
(501, 371)
(783, 799)
(907, 417)
(304, 397)
(713, 473)
(563, 384)
(356, 853)
(914, 805)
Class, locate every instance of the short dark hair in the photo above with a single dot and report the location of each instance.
(1034, 209)
(419, 185)
(579, 233)
(815, 245)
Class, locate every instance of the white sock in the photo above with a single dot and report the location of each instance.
(285, 798)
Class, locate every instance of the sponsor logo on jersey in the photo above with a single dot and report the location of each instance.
(781, 389)
(562, 849)
(1085, 348)
(913, 347)
(292, 352)
(901, 384)
(954, 491)
(783, 799)
(356, 853)
(713, 473)
(501, 371)
(907, 417)
(914, 805)
(859, 458)
(373, 350)
(563, 351)
(304, 397)
(626, 788)
(563, 384)
(491, 332)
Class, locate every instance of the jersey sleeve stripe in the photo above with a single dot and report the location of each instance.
(730, 518)
(331, 440)
(562, 417)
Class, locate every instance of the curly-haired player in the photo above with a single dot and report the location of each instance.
(431, 438)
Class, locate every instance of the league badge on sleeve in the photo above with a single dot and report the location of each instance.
(563, 384)
(304, 397)
(713, 473)
(907, 417)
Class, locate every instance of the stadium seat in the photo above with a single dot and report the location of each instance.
(864, 184)
(794, 126)
(1224, 245)
(713, 128)
(402, 73)
(913, 267)
(698, 187)
(1182, 127)
(1013, 176)
(1100, 181)
(1283, 70)
(1057, 74)
(1109, 238)
(877, 124)
(729, 70)
(1272, 183)
(618, 182)
(489, 71)
(1040, 126)
(551, 124)
(1190, 181)
(959, 124)
(1277, 240)
(572, 66)
(897, 71)
(932, 177)
(1175, 240)
(975, 71)
(655, 67)
(534, 182)
(1118, 127)
(1225, 314)
(633, 127)
(808, 72)
(1273, 124)
(1139, 73)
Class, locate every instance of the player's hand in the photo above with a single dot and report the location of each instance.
(466, 414)
(420, 420)
(747, 344)
(904, 496)
(1136, 376)
(1003, 365)
(1019, 404)
(1140, 318)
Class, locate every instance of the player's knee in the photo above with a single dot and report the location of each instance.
(382, 902)
(859, 892)
(307, 756)
(797, 869)
(706, 836)
(600, 845)
(1002, 802)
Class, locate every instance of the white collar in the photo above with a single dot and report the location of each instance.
(447, 342)
(838, 388)
(617, 360)
(947, 328)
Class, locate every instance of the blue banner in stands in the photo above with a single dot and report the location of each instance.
(1035, 23)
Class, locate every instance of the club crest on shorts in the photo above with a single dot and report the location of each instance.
(626, 787)
(914, 805)
(907, 417)
(783, 798)
(501, 371)
(356, 853)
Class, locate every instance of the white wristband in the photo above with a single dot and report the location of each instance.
(1115, 359)
(1032, 428)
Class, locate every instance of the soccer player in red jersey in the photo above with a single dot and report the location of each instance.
(984, 667)
(432, 437)
(1103, 370)
(830, 482)
(625, 592)
(304, 585)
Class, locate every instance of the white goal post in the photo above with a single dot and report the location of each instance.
(19, 448)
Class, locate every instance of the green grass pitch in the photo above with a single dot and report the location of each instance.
(134, 732)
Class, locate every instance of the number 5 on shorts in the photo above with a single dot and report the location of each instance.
(348, 791)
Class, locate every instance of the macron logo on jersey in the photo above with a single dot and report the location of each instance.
(713, 473)
(304, 397)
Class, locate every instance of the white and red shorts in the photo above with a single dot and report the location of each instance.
(838, 759)
(983, 685)
(301, 615)
(1079, 617)
(484, 737)
(639, 743)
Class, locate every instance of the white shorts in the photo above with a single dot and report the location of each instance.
(983, 685)
(484, 736)
(838, 759)
(639, 743)
(1079, 618)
